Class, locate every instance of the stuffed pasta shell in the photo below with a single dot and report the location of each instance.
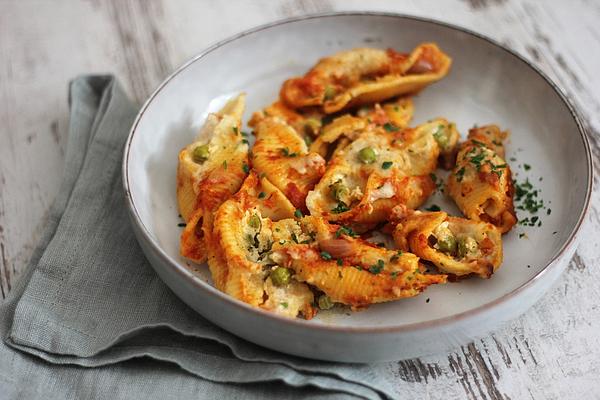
(246, 228)
(391, 116)
(379, 170)
(481, 182)
(210, 170)
(456, 246)
(283, 157)
(351, 271)
(364, 75)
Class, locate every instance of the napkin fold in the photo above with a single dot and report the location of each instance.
(89, 298)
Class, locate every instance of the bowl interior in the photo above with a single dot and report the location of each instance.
(486, 85)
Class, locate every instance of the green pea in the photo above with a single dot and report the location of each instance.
(325, 302)
(254, 221)
(367, 155)
(329, 93)
(200, 154)
(447, 244)
(281, 276)
(466, 245)
(312, 126)
(441, 136)
(338, 190)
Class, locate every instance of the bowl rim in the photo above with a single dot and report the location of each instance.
(304, 324)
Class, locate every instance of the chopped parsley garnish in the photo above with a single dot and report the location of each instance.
(326, 119)
(244, 141)
(340, 262)
(527, 167)
(308, 140)
(235, 130)
(396, 256)
(344, 230)
(284, 304)
(225, 164)
(477, 159)
(527, 196)
(262, 195)
(460, 174)
(182, 224)
(298, 214)
(477, 142)
(521, 235)
(245, 168)
(358, 267)
(340, 208)
(286, 152)
(244, 134)
(377, 268)
(394, 275)
(326, 256)
(433, 207)
(294, 237)
(512, 159)
(388, 126)
(387, 164)
(439, 183)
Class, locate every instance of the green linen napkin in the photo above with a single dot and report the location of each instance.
(90, 318)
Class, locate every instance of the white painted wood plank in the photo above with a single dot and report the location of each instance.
(553, 351)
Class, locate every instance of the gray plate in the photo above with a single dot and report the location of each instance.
(487, 84)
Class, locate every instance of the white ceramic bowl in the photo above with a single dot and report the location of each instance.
(487, 84)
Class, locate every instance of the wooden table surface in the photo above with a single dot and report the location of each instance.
(551, 352)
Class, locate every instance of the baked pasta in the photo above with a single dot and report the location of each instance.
(290, 226)
(351, 271)
(283, 157)
(456, 246)
(246, 228)
(392, 115)
(210, 170)
(377, 171)
(362, 76)
(481, 182)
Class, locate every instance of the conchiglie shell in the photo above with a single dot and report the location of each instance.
(483, 194)
(294, 173)
(412, 234)
(232, 267)
(394, 85)
(202, 188)
(224, 144)
(363, 76)
(372, 189)
(352, 283)
(244, 280)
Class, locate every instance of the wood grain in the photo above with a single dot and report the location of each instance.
(551, 352)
